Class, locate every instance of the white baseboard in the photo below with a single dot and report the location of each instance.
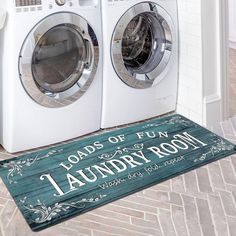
(212, 110)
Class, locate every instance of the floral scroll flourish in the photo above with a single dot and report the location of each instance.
(120, 151)
(46, 213)
(174, 120)
(16, 167)
(219, 147)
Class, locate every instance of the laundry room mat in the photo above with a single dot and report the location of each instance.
(52, 185)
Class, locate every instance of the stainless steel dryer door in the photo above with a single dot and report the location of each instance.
(142, 45)
(58, 60)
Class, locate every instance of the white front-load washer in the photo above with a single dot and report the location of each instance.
(140, 71)
(51, 76)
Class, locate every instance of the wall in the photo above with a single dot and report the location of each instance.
(203, 89)
(215, 61)
(190, 98)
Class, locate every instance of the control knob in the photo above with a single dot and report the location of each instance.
(60, 2)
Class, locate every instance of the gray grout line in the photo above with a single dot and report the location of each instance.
(221, 171)
(14, 213)
(184, 182)
(1, 229)
(227, 223)
(117, 227)
(210, 179)
(234, 200)
(212, 215)
(185, 217)
(230, 121)
(173, 223)
(198, 217)
(158, 218)
(197, 181)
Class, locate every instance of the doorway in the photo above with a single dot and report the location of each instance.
(232, 79)
(232, 57)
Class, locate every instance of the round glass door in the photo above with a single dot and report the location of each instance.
(142, 45)
(58, 61)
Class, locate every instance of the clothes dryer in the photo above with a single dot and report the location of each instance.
(140, 71)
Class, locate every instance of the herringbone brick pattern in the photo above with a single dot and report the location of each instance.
(199, 203)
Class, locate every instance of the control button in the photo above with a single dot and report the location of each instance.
(60, 2)
(38, 2)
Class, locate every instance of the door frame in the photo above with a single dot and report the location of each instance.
(224, 32)
(215, 61)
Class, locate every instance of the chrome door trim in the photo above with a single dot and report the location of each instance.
(148, 79)
(59, 99)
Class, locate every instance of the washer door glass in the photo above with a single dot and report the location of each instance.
(58, 60)
(142, 45)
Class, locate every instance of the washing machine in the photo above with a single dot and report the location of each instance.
(140, 73)
(51, 76)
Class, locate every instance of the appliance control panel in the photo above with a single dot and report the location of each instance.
(116, 2)
(23, 3)
(23, 6)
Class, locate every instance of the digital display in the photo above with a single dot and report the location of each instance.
(22, 3)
